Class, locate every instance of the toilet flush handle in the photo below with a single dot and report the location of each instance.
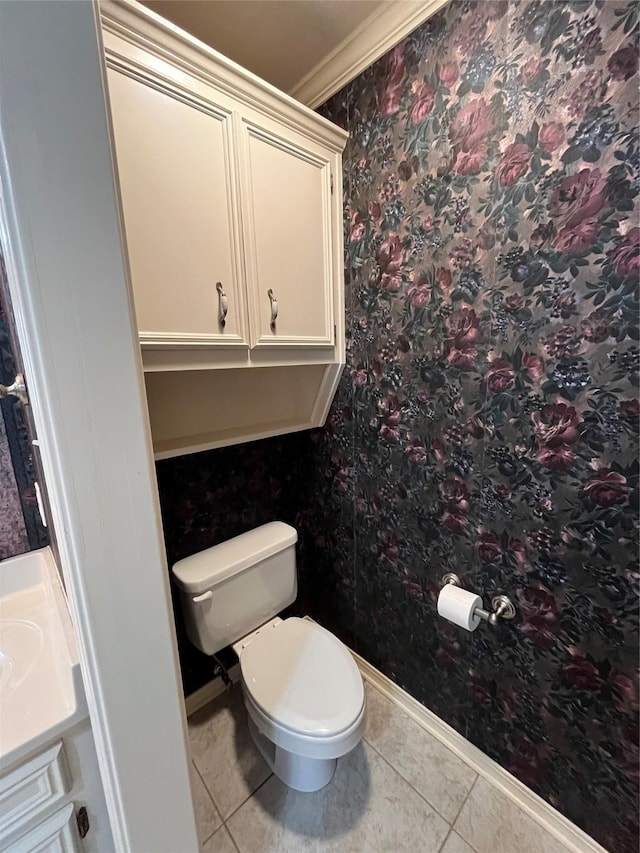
(204, 597)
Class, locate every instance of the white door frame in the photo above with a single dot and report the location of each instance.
(68, 278)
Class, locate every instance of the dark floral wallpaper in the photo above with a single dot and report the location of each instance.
(20, 526)
(488, 420)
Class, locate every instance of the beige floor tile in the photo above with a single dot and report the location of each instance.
(207, 815)
(442, 778)
(455, 844)
(366, 808)
(494, 824)
(223, 752)
(220, 842)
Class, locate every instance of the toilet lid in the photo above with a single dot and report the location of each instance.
(304, 678)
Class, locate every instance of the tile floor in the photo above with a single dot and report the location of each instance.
(399, 790)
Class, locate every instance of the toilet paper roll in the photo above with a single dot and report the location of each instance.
(458, 606)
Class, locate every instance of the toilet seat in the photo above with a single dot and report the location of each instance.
(303, 680)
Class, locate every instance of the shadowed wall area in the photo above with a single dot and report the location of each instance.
(487, 421)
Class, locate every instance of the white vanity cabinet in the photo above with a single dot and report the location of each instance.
(232, 213)
(52, 802)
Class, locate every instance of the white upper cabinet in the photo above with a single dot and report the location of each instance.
(287, 235)
(175, 165)
(232, 213)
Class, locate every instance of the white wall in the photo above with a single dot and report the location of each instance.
(69, 286)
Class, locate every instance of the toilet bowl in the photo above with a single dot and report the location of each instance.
(302, 689)
(304, 698)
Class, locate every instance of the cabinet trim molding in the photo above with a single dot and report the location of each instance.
(160, 38)
(33, 787)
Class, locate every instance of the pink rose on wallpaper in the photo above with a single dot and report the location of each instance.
(415, 451)
(374, 210)
(470, 162)
(357, 228)
(583, 674)
(518, 550)
(488, 548)
(358, 375)
(629, 410)
(539, 611)
(515, 302)
(623, 64)
(418, 295)
(559, 458)
(463, 327)
(578, 197)
(625, 687)
(557, 423)
(438, 450)
(578, 239)
(455, 495)
(471, 126)
(422, 103)
(514, 164)
(596, 327)
(462, 359)
(530, 69)
(551, 136)
(443, 277)
(626, 256)
(391, 283)
(500, 375)
(392, 89)
(454, 521)
(607, 488)
(449, 74)
(389, 410)
(534, 366)
(391, 254)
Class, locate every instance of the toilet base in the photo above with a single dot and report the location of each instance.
(296, 771)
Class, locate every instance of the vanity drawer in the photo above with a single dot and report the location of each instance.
(32, 788)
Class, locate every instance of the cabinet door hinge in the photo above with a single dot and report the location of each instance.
(332, 184)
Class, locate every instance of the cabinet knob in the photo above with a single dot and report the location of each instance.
(224, 303)
(274, 308)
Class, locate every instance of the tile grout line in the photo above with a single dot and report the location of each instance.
(453, 825)
(246, 800)
(230, 834)
(209, 794)
(398, 773)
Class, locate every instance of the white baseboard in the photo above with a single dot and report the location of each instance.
(540, 810)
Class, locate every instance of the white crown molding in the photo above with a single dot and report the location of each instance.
(377, 34)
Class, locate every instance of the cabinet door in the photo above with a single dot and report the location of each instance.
(175, 166)
(287, 235)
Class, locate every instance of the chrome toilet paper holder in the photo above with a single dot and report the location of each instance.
(503, 607)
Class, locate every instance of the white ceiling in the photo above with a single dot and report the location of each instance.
(279, 40)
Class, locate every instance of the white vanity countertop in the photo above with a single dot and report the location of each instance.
(41, 693)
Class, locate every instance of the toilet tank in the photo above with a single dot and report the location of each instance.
(235, 587)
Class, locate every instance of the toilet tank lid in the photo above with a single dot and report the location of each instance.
(206, 568)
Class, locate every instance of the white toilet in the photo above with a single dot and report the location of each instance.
(302, 689)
